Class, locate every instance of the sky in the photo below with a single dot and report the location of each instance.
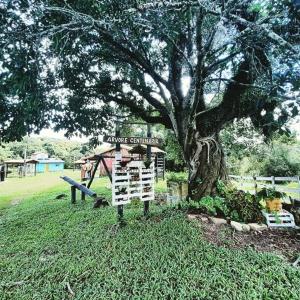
(49, 133)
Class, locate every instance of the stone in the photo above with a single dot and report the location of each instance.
(246, 227)
(15, 201)
(258, 227)
(192, 217)
(236, 226)
(100, 201)
(218, 221)
(204, 219)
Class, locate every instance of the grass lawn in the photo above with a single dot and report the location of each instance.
(18, 189)
(249, 186)
(14, 190)
(50, 249)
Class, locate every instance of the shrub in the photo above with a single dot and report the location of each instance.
(243, 206)
(231, 203)
(266, 193)
(179, 177)
(211, 205)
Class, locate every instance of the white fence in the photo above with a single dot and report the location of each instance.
(255, 183)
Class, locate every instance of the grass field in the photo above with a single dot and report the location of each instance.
(50, 249)
(18, 189)
(15, 190)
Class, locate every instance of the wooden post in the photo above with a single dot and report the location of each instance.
(120, 213)
(94, 172)
(118, 149)
(273, 182)
(298, 181)
(156, 169)
(83, 194)
(255, 184)
(73, 194)
(164, 159)
(146, 203)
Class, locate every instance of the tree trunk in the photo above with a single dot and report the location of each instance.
(206, 163)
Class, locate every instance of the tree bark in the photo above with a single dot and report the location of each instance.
(206, 163)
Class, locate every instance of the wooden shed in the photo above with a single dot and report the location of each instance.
(157, 154)
(29, 166)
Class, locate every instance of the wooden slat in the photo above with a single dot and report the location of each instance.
(145, 176)
(121, 177)
(261, 178)
(292, 179)
(265, 178)
(123, 196)
(134, 195)
(120, 183)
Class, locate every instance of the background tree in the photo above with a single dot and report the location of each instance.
(67, 150)
(198, 65)
(248, 152)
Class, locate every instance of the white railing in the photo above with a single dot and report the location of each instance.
(254, 183)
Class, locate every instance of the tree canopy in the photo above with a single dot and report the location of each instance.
(77, 56)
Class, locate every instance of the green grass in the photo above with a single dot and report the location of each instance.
(46, 244)
(20, 189)
(250, 187)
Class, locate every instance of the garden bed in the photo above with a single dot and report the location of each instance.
(282, 242)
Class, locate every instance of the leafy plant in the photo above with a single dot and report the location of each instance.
(213, 205)
(221, 187)
(147, 163)
(243, 206)
(178, 177)
(270, 194)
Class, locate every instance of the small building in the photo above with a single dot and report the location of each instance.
(38, 163)
(46, 164)
(50, 165)
(21, 167)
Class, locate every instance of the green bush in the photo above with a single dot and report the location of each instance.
(211, 205)
(277, 159)
(230, 203)
(266, 193)
(280, 162)
(179, 177)
(243, 206)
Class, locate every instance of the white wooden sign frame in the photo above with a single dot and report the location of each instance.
(131, 182)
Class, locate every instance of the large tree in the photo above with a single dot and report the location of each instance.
(191, 65)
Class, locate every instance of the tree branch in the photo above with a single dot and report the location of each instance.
(231, 106)
(139, 111)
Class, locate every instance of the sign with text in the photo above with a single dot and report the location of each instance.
(132, 140)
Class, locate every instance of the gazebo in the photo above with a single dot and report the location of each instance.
(28, 165)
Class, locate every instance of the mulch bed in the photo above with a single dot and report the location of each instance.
(282, 242)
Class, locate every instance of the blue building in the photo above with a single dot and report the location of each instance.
(46, 164)
(49, 165)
